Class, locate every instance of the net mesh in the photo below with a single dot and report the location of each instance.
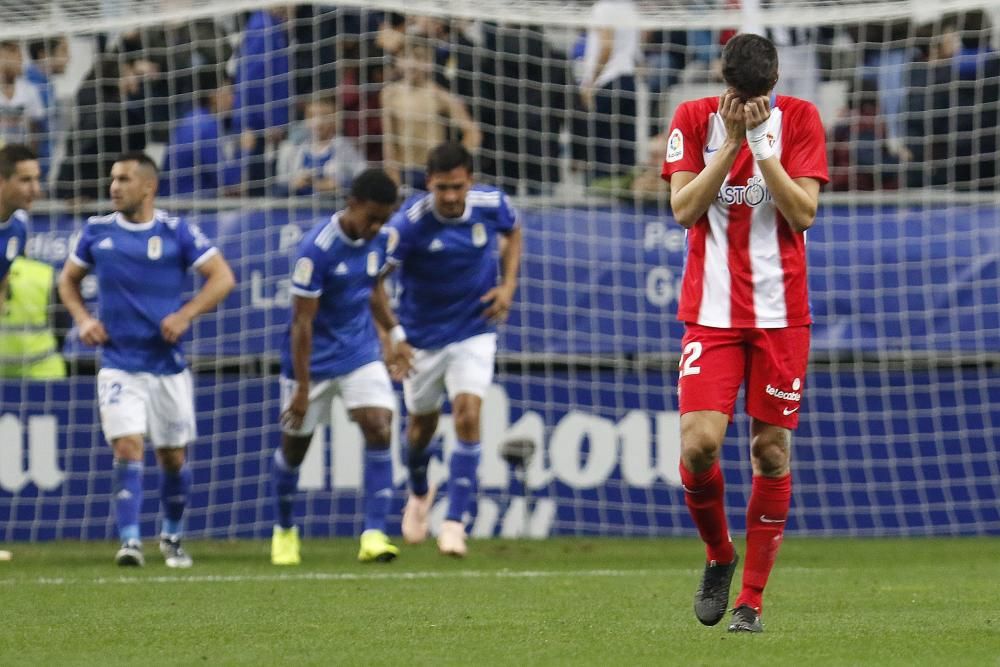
(238, 105)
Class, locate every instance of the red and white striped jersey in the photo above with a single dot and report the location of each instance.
(745, 267)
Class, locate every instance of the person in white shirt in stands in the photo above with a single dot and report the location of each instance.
(21, 108)
(607, 87)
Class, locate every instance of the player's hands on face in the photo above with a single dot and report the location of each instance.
(731, 111)
(293, 415)
(400, 360)
(756, 110)
(92, 332)
(500, 299)
(174, 326)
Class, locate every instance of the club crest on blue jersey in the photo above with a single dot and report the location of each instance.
(372, 266)
(479, 235)
(12, 247)
(154, 248)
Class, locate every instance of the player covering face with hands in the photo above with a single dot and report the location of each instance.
(745, 171)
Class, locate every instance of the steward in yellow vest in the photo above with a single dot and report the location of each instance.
(28, 346)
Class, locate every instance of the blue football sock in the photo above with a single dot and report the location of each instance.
(175, 486)
(462, 478)
(128, 498)
(417, 461)
(378, 487)
(284, 484)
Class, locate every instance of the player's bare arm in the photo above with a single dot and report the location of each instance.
(501, 297)
(797, 199)
(691, 194)
(303, 314)
(398, 353)
(219, 282)
(91, 330)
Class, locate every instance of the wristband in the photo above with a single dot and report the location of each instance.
(397, 334)
(759, 142)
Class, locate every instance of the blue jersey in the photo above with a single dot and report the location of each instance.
(13, 236)
(340, 272)
(447, 265)
(140, 269)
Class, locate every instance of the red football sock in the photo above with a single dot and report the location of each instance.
(767, 512)
(704, 494)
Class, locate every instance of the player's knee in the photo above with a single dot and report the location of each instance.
(770, 452)
(128, 448)
(171, 459)
(699, 446)
(420, 429)
(467, 424)
(294, 449)
(377, 431)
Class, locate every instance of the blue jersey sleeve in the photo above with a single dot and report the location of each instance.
(507, 217)
(195, 247)
(82, 254)
(310, 267)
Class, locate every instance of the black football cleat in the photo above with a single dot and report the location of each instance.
(712, 597)
(746, 619)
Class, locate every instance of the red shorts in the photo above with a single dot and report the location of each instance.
(772, 363)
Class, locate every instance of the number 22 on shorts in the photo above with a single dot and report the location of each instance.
(691, 353)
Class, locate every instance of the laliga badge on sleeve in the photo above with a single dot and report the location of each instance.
(675, 146)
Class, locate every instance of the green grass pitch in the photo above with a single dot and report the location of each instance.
(555, 602)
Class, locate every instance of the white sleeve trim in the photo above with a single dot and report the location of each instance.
(304, 293)
(205, 256)
(79, 262)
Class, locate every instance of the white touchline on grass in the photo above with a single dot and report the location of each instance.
(351, 576)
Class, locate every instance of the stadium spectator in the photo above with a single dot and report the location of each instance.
(416, 116)
(861, 156)
(263, 102)
(607, 88)
(22, 113)
(522, 99)
(324, 163)
(648, 184)
(203, 156)
(952, 108)
(102, 130)
(359, 98)
(465, 232)
(745, 184)
(48, 58)
(391, 33)
(141, 258)
(333, 350)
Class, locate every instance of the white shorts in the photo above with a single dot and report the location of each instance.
(365, 387)
(158, 406)
(463, 367)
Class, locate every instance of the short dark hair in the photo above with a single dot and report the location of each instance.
(11, 155)
(140, 157)
(447, 156)
(42, 47)
(374, 185)
(207, 82)
(750, 64)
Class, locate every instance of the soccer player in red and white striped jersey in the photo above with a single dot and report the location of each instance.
(745, 171)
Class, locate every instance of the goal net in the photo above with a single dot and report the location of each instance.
(260, 113)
